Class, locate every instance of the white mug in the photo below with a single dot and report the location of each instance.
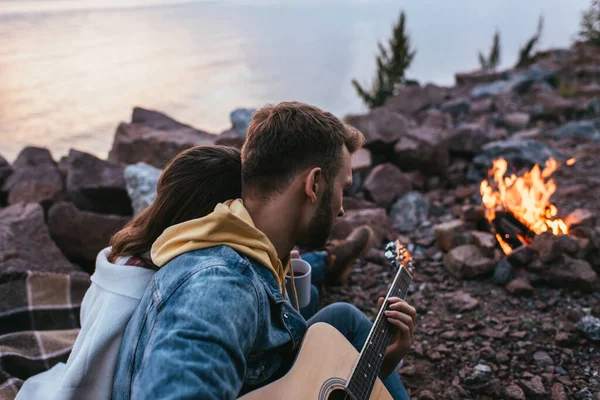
(302, 271)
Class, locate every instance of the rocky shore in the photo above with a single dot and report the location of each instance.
(490, 326)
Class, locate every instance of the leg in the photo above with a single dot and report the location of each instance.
(311, 308)
(319, 261)
(355, 326)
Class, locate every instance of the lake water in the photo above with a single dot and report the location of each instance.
(70, 71)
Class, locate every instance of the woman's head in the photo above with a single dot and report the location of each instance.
(190, 187)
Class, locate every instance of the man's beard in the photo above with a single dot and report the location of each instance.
(321, 224)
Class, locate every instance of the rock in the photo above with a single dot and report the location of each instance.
(520, 287)
(5, 170)
(482, 106)
(141, 180)
(426, 395)
(156, 120)
(516, 81)
(35, 178)
(136, 142)
(548, 104)
(459, 302)
(40, 192)
(436, 119)
(542, 359)
(240, 120)
(558, 392)
(352, 203)
(385, 183)
(503, 272)
(411, 99)
(467, 261)
(82, 234)
(376, 218)
(485, 241)
(571, 273)
(513, 392)
(589, 129)
(457, 107)
(580, 217)
(527, 134)
(26, 243)
(584, 394)
(470, 138)
(521, 256)
(96, 185)
(230, 138)
(534, 388)
(423, 148)
(449, 234)
(568, 244)
(547, 246)
(518, 153)
(479, 76)
(409, 212)
(361, 160)
(381, 127)
(517, 120)
(589, 326)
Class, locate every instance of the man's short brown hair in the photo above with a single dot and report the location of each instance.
(289, 137)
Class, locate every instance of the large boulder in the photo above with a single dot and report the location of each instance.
(589, 129)
(240, 120)
(519, 154)
(571, 273)
(5, 170)
(386, 182)
(519, 81)
(546, 103)
(136, 142)
(156, 120)
(467, 262)
(425, 149)
(35, 178)
(141, 180)
(82, 234)
(382, 127)
(412, 99)
(376, 218)
(479, 76)
(409, 212)
(25, 242)
(96, 185)
(470, 138)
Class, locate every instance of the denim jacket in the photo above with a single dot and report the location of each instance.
(212, 324)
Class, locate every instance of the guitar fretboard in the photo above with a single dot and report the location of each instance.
(367, 368)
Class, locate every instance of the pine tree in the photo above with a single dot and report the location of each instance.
(590, 24)
(392, 62)
(493, 60)
(525, 56)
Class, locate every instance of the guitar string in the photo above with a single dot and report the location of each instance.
(381, 336)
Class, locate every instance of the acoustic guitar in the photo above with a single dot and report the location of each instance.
(327, 365)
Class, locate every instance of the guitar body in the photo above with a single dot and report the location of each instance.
(323, 364)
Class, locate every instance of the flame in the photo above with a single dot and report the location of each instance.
(527, 197)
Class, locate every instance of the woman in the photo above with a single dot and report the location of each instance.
(190, 187)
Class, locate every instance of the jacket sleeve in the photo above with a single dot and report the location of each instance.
(198, 344)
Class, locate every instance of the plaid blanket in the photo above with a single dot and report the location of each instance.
(39, 321)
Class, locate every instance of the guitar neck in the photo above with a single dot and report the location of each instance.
(366, 370)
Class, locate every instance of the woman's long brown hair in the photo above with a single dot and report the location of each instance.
(190, 187)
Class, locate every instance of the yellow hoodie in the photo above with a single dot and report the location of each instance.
(229, 224)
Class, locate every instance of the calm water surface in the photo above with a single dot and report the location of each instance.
(70, 71)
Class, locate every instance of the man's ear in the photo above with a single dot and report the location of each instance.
(312, 184)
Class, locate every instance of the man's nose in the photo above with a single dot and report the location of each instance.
(341, 213)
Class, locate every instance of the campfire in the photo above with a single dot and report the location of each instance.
(519, 207)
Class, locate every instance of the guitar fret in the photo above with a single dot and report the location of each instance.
(365, 374)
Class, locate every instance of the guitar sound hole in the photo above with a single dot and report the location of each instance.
(339, 394)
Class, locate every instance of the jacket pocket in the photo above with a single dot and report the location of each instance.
(261, 367)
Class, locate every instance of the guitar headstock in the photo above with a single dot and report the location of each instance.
(398, 255)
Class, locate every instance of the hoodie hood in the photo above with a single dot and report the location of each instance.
(123, 280)
(229, 224)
